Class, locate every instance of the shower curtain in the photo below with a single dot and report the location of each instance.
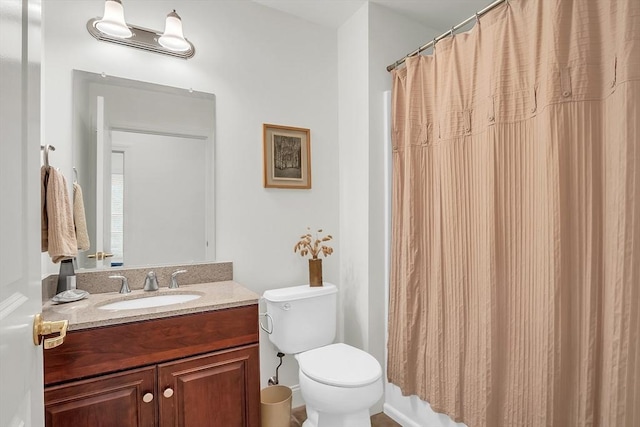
(515, 277)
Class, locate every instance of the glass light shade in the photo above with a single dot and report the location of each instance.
(173, 39)
(112, 22)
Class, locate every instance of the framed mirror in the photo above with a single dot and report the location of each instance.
(143, 156)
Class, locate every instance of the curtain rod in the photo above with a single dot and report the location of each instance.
(443, 35)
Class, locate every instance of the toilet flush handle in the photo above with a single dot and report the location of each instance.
(270, 328)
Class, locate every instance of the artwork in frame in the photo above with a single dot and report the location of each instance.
(287, 157)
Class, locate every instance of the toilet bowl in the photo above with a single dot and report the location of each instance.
(338, 382)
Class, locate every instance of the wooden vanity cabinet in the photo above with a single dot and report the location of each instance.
(196, 370)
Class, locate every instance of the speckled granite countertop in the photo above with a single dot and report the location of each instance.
(85, 314)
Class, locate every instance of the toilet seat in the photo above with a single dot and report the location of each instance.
(340, 365)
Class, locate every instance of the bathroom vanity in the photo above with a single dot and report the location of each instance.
(193, 364)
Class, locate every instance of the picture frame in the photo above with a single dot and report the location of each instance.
(287, 157)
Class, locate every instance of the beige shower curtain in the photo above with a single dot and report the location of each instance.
(515, 283)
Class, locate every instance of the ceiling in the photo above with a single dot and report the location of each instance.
(440, 15)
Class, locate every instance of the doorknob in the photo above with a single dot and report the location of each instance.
(42, 328)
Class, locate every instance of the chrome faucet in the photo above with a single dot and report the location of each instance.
(174, 280)
(124, 289)
(151, 282)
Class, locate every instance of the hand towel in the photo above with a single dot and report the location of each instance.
(58, 231)
(44, 230)
(79, 218)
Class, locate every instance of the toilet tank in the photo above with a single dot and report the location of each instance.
(301, 318)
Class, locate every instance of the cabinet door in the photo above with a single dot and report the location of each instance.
(125, 399)
(219, 389)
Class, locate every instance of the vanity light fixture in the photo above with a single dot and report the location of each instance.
(113, 28)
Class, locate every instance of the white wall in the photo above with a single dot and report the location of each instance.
(268, 67)
(371, 39)
(353, 84)
(264, 67)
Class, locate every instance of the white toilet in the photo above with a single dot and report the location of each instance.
(339, 383)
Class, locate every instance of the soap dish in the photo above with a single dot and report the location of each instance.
(70, 296)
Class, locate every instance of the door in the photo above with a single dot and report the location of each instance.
(155, 199)
(21, 390)
(101, 181)
(94, 176)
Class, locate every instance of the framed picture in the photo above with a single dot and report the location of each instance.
(287, 157)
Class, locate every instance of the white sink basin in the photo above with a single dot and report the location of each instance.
(149, 302)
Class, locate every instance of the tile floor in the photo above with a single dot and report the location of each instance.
(298, 415)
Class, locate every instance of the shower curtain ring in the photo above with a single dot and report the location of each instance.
(451, 32)
(477, 18)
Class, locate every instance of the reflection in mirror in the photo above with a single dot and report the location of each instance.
(144, 159)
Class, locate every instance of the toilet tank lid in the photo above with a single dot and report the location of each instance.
(299, 292)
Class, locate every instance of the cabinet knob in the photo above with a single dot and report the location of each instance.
(148, 397)
(168, 392)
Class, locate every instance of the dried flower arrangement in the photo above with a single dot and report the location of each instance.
(308, 246)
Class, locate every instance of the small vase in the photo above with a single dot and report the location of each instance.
(315, 272)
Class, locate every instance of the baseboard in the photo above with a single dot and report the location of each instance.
(296, 398)
(398, 417)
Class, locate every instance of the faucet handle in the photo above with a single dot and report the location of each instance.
(124, 289)
(174, 280)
